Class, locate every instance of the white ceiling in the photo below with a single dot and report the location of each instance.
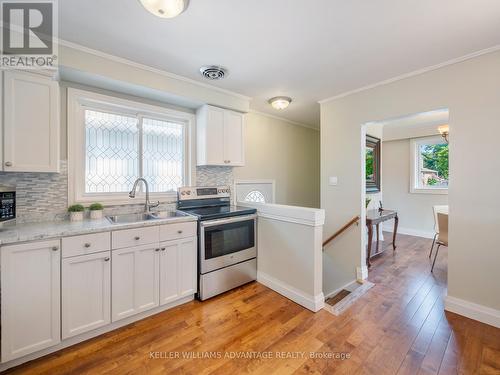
(307, 49)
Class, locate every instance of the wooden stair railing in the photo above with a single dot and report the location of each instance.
(354, 220)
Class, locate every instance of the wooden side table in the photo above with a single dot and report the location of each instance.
(375, 217)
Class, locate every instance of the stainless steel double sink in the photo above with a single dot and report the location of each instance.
(137, 218)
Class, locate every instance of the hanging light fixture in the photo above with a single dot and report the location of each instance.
(280, 102)
(165, 8)
(444, 130)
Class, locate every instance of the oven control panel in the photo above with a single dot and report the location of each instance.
(191, 192)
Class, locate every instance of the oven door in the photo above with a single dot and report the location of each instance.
(227, 241)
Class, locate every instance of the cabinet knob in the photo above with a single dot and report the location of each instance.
(106, 259)
(8, 164)
(179, 231)
(163, 248)
(137, 238)
(157, 249)
(55, 248)
(87, 245)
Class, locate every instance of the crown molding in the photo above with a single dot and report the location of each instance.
(291, 122)
(414, 73)
(134, 64)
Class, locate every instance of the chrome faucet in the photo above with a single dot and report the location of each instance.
(148, 205)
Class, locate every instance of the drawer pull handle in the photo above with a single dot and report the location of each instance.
(55, 248)
(137, 238)
(87, 245)
(106, 259)
(8, 164)
(179, 231)
(163, 248)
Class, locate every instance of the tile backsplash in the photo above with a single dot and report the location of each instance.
(39, 196)
(44, 196)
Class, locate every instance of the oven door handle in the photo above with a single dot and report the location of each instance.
(234, 219)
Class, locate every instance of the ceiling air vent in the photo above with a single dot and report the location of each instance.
(213, 72)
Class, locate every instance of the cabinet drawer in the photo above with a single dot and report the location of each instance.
(86, 244)
(176, 231)
(134, 237)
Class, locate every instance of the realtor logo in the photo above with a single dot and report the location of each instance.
(28, 34)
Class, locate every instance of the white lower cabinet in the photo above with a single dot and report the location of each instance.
(135, 280)
(31, 279)
(178, 262)
(86, 293)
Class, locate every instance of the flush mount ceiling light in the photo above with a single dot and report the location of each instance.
(280, 102)
(165, 8)
(444, 130)
(213, 72)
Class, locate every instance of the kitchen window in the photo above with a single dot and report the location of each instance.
(112, 142)
(429, 165)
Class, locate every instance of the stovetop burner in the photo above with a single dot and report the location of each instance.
(208, 203)
(208, 213)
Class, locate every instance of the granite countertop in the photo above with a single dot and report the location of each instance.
(56, 229)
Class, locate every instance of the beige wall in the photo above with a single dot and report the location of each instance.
(470, 90)
(287, 153)
(415, 210)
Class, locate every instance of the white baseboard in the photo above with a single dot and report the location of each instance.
(472, 310)
(313, 303)
(410, 232)
(362, 273)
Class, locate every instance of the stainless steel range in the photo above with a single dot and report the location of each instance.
(227, 242)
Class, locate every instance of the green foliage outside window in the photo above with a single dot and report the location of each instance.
(435, 157)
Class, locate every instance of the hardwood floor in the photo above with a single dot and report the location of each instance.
(398, 327)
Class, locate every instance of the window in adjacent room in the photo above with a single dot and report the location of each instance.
(430, 171)
(114, 142)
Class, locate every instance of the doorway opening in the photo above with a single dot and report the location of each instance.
(406, 174)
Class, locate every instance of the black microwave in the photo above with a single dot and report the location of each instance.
(7, 204)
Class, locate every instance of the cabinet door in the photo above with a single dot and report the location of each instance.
(234, 146)
(86, 293)
(214, 136)
(30, 277)
(178, 269)
(135, 280)
(31, 123)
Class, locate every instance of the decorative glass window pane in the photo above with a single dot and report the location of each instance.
(163, 154)
(433, 165)
(112, 152)
(255, 196)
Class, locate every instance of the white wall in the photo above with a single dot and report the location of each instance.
(290, 252)
(287, 153)
(470, 90)
(414, 210)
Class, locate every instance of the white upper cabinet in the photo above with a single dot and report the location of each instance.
(30, 277)
(31, 123)
(220, 137)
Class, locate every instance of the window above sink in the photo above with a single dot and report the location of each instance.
(114, 141)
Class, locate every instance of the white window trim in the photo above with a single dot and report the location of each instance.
(77, 101)
(414, 165)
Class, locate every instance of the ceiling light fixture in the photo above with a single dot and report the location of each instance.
(280, 102)
(444, 130)
(165, 8)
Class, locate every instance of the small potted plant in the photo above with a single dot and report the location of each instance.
(76, 212)
(96, 211)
